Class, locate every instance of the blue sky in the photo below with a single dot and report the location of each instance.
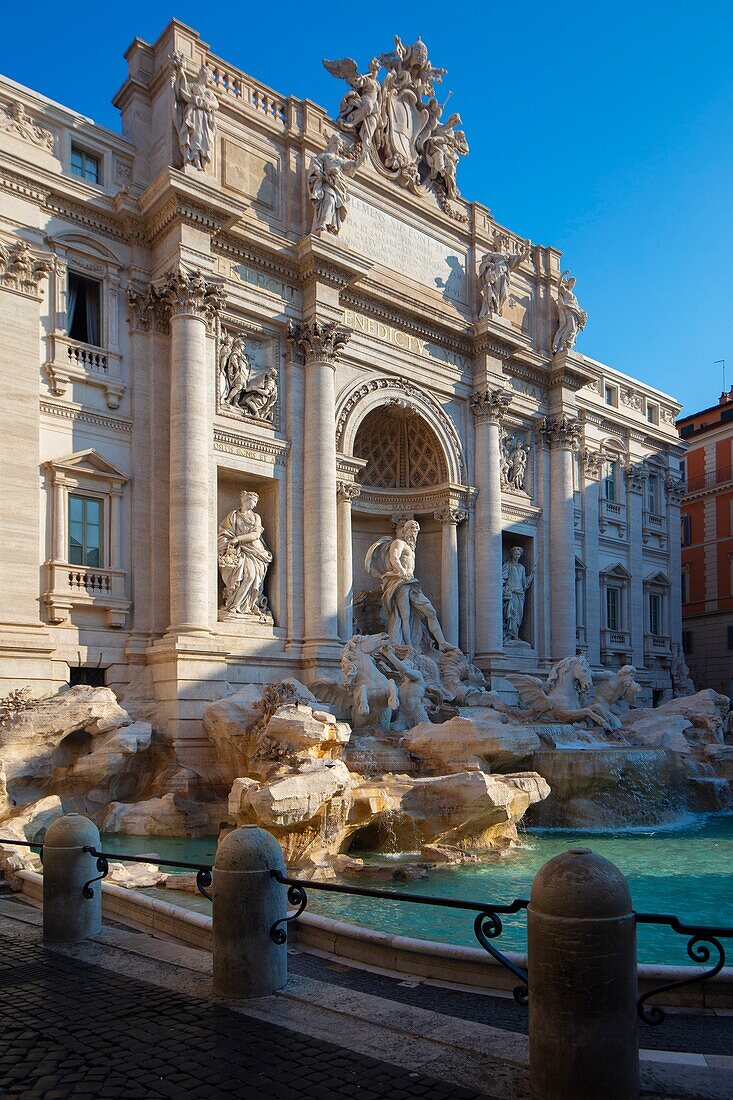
(603, 129)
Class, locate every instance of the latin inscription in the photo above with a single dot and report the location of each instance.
(381, 237)
(370, 326)
(247, 274)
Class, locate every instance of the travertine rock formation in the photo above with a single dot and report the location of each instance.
(477, 738)
(300, 789)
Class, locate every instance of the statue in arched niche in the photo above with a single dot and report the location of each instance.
(408, 609)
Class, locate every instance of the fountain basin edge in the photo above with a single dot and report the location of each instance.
(384, 952)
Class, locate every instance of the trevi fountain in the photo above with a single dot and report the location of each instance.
(363, 549)
(404, 765)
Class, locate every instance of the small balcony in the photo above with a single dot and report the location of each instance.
(657, 645)
(611, 512)
(72, 586)
(73, 361)
(654, 525)
(615, 643)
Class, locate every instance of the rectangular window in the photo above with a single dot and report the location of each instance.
(610, 476)
(609, 393)
(683, 586)
(85, 165)
(613, 608)
(652, 489)
(652, 413)
(655, 613)
(730, 637)
(83, 313)
(85, 531)
(686, 530)
(687, 641)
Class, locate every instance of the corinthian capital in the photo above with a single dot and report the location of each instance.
(450, 515)
(636, 474)
(318, 341)
(147, 308)
(675, 487)
(561, 431)
(491, 404)
(592, 463)
(348, 490)
(190, 292)
(21, 269)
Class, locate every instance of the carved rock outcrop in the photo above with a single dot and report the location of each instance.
(477, 738)
(79, 746)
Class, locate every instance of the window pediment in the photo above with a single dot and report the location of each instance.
(89, 464)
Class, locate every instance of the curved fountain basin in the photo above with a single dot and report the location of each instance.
(608, 786)
(686, 869)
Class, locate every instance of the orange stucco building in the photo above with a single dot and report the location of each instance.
(707, 545)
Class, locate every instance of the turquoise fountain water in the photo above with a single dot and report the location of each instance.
(686, 870)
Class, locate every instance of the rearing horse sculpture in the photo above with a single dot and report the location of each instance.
(564, 697)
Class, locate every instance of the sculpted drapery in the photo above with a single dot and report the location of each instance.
(243, 559)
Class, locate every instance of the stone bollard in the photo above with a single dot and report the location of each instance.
(581, 946)
(67, 915)
(247, 902)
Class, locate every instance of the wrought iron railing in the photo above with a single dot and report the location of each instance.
(704, 941)
(487, 923)
(203, 870)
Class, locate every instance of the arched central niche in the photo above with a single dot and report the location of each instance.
(400, 448)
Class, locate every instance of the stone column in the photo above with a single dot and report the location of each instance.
(115, 527)
(674, 488)
(561, 434)
(347, 492)
(450, 606)
(320, 344)
(489, 407)
(59, 548)
(591, 464)
(635, 486)
(193, 302)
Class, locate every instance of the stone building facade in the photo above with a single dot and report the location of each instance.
(707, 545)
(172, 333)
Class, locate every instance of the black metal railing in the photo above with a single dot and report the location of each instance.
(702, 938)
(487, 923)
(704, 941)
(203, 870)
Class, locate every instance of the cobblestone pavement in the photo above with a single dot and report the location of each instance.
(684, 1031)
(71, 1029)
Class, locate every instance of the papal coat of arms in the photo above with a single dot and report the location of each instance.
(397, 121)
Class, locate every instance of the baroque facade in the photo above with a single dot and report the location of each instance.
(707, 545)
(244, 341)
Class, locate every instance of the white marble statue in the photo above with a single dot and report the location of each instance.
(572, 317)
(495, 277)
(397, 120)
(515, 583)
(234, 368)
(243, 559)
(195, 113)
(505, 458)
(682, 683)
(617, 691)
(260, 397)
(518, 466)
(359, 109)
(327, 186)
(442, 149)
(566, 696)
(408, 609)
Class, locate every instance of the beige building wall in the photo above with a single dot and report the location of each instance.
(139, 423)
